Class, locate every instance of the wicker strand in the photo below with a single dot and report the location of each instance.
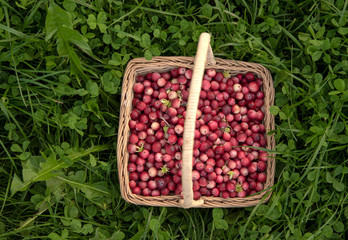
(210, 56)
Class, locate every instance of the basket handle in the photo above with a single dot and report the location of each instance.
(204, 55)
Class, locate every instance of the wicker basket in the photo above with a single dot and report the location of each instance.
(204, 58)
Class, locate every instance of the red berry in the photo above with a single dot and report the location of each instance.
(199, 166)
(260, 95)
(203, 182)
(226, 109)
(195, 175)
(161, 184)
(261, 166)
(245, 161)
(244, 171)
(133, 138)
(261, 177)
(230, 187)
(196, 195)
(134, 176)
(172, 112)
(204, 130)
(188, 74)
(174, 72)
(156, 147)
(138, 88)
(254, 87)
(215, 192)
(144, 154)
(155, 76)
(249, 76)
(241, 137)
(140, 78)
(136, 190)
(213, 125)
(235, 109)
(219, 179)
(182, 79)
(219, 150)
(252, 168)
(214, 85)
(259, 187)
(219, 76)
(205, 85)
(211, 184)
(211, 72)
(182, 70)
(155, 193)
(144, 176)
(212, 176)
(209, 168)
(132, 167)
(176, 178)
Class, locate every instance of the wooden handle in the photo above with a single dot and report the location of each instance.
(204, 55)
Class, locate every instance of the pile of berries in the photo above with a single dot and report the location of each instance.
(228, 126)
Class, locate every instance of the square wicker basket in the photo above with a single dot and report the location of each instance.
(204, 58)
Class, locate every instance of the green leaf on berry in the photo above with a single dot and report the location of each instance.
(165, 129)
(164, 169)
(166, 102)
(231, 174)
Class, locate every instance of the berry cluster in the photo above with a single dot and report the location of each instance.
(228, 124)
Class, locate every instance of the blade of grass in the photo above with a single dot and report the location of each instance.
(127, 14)
(83, 185)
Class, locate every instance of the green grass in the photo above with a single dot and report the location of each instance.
(61, 68)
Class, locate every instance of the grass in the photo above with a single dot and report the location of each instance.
(60, 82)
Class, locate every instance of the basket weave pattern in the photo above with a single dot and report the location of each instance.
(141, 66)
